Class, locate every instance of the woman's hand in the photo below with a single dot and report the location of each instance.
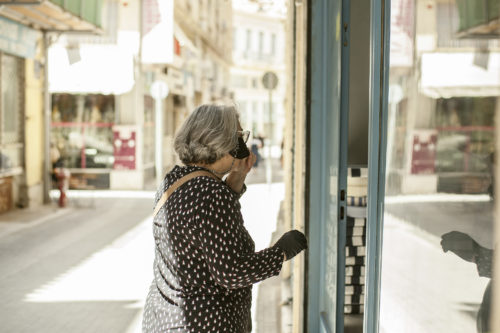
(238, 174)
(291, 243)
(244, 166)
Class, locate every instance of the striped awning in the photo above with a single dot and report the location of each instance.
(63, 16)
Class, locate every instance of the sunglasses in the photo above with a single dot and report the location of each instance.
(241, 150)
(244, 135)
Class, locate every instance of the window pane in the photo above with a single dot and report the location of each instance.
(239, 81)
(10, 158)
(10, 100)
(438, 222)
(249, 40)
(82, 129)
(273, 44)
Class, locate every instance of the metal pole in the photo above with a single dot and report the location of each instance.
(47, 166)
(158, 140)
(269, 171)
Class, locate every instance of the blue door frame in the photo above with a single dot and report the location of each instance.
(328, 123)
(380, 13)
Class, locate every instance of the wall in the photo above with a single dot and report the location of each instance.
(34, 138)
(295, 153)
(130, 105)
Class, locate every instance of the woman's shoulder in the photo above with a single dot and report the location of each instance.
(204, 183)
(206, 186)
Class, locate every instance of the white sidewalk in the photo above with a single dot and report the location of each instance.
(423, 288)
(260, 207)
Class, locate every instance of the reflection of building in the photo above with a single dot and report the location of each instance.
(103, 112)
(442, 115)
(259, 40)
(23, 70)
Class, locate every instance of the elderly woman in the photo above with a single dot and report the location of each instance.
(205, 260)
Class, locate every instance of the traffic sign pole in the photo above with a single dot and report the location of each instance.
(159, 91)
(269, 170)
(270, 81)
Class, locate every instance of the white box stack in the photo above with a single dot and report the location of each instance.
(357, 191)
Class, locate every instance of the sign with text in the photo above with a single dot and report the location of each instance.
(124, 143)
(17, 39)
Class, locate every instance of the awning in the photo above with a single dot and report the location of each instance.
(55, 15)
(102, 69)
(446, 75)
(478, 18)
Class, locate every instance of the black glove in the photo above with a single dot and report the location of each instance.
(461, 244)
(291, 243)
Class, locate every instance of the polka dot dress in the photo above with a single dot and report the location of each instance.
(205, 260)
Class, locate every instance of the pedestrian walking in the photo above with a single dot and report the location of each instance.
(60, 175)
(254, 146)
(205, 260)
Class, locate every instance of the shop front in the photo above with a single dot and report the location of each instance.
(439, 221)
(12, 166)
(82, 132)
(24, 145)
(421, 257)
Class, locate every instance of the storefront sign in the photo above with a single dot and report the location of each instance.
(424, 148)
(17, 39)
(124, 143)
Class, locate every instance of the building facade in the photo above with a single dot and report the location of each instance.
(258, 48)
(24, 36)
(114, 132)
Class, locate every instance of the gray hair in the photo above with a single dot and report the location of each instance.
(207, 134)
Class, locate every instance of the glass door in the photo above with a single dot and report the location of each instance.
(439, 216)
(328, 168)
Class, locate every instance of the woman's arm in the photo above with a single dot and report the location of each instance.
(222, 240)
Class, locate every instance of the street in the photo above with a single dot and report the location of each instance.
(87, 268)
(83, 271)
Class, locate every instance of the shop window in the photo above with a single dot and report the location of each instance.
(465, 134)
(82, 130)
(439, 209)
(11, 113)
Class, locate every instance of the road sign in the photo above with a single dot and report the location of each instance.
(159, 90)
(270, 80)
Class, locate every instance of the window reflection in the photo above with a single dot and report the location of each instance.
(438, 223)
